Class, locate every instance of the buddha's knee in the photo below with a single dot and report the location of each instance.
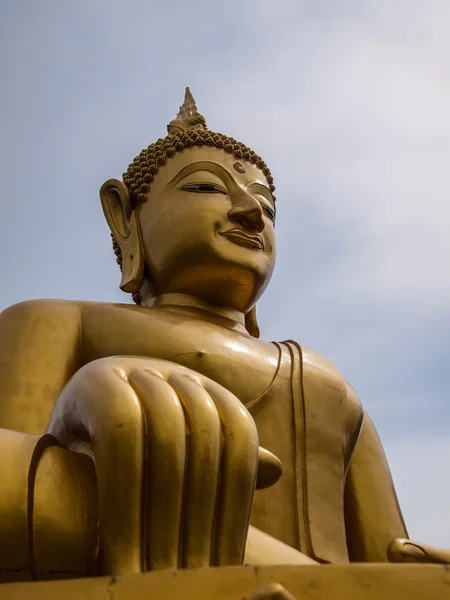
(48, 509)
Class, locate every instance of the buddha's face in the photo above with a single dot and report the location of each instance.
(207, 228)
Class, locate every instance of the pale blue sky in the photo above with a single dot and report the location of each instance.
(348, 103)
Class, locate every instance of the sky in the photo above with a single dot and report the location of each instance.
(347, 102)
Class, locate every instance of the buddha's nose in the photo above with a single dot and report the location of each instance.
(247, 212)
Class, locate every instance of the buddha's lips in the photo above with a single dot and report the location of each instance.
(238, 236)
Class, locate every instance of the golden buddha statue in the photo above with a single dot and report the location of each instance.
(133, 436)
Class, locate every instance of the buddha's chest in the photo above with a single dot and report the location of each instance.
(242, 364)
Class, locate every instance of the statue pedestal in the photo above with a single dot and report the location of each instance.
(329, 582)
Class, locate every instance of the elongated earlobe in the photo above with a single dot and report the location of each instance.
(122, 220)
(251, 323)
(132, 258)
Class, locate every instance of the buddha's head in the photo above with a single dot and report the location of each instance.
(194, 214)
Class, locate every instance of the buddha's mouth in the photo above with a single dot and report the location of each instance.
(242, 238)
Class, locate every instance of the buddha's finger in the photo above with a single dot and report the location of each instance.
(238, 476)
(99, 411)
(406, 551)
(166, 457)
(203, 469)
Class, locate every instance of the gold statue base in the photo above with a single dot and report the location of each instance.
(325, 582)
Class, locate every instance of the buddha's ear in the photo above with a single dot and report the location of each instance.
(251, 323)
(122, 220)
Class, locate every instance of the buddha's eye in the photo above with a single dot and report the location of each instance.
(199, 188)
(268, 211)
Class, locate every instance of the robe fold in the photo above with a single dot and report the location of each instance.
(341, 504)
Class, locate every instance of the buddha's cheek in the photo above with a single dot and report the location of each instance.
(174, 244)
(177, 223)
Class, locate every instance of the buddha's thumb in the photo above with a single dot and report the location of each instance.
(269, 469)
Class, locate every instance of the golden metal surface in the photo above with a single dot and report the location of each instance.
(346, 582)
(167, 435)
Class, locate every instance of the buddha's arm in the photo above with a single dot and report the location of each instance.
(372, 513)
(40, 349)
(375, 528)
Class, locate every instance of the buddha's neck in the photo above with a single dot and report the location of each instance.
(209, 311)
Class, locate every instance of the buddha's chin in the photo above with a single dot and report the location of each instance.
(244, 260)
(244, 267)
(228, 283)
(218, 270)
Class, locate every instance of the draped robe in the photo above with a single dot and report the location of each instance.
(335, 500)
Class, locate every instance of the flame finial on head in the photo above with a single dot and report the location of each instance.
(188, 117)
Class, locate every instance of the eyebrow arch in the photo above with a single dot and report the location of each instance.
(262, 189)
(204, 165)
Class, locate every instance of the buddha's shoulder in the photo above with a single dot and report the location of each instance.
(31, 309)
(320, 368)
(56, 310)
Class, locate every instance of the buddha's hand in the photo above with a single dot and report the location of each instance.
(176, 457)
(402, 550)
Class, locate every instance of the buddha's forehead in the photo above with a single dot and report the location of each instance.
(209, 159)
